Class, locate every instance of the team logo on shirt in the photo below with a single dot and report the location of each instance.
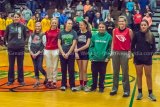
(121, 38)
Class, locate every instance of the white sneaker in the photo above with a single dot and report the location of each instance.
(86, 88)
(74, 89)
(63, 88)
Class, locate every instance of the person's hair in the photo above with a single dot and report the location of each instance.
(17, 14)
(41, 27)
(66, 23)
(124, 18)
(102, 23)
(54, 18)
(148, 34)
(87, 25)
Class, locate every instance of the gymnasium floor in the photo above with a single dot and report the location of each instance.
(27, 96)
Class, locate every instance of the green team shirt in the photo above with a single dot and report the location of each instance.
(67, 39)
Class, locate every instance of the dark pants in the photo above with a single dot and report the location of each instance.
(37, 62)
(98, 68)
(120, 4)
(67, 64)
(12, 55)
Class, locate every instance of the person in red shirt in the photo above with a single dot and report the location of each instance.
(121, 46)
(51, 53)
(137, 18)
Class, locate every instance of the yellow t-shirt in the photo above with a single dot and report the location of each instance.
(46, 24)
(8, 21)
(2, 24)
(31, 24)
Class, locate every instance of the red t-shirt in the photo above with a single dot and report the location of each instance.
(137, 18)
(121, 40)
(52, 39)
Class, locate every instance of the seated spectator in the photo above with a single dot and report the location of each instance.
(46, 24)
(43, 13)
(69, 2)
(129, 18)
(63, 18)
(37, 17)
(31, 24)
(130, 6)
(137, 18)
(142, 5)
(87, 20)
(26, 13)
(148, 18)
(79, 18)
(56, 13)
(109, 24)
(32, 5)
(97, 19)
(79, 8)
(94, 7)
(87, 7)
(68, 11)
(9, 20)
(90, 14)
(105, 8)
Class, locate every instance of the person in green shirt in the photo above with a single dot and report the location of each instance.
(99, 54)
(79, 18)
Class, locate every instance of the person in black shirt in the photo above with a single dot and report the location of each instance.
(81, 51)
(15, 37)
(143, 47)
(109, 25)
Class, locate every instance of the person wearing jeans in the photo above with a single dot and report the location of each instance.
(105, 9)
(51, 53)
(66, 43)
(15, 37)
(36, 44)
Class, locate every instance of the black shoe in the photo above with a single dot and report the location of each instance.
(45, 81)
(92, 89)
(113, 92)
(126, 94)
(101, 90)
(9, 83)
(22, 84)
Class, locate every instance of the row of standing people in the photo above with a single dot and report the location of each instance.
(69, 44)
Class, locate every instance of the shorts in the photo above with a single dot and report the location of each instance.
(83, 55)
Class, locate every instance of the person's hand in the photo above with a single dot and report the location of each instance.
(106, 60)
(63, 54)
(66, 55)
(76, 56)
(129, 54)
(76, 50)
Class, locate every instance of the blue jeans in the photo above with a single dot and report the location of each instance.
(37, 62)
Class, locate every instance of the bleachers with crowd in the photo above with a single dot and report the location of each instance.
(93, 11)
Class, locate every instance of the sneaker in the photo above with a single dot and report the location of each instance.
(101, 90)
(48, 84)
(113, 92)
(126, 94)
(63, 88)
(74, 89)
(9, 83)
(152, 97)
(22, 84)
(80, 87)
(139, 97)
(37, 84)
(45, 81)
(92, 89)
(86, 88)
(53, 85)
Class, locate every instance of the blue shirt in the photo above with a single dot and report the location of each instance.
(130, 6)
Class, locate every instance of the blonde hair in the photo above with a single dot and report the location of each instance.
(124, 18)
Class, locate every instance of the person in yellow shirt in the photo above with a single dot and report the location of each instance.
(2, 26)
(9, 20)
(45, 24)
(31, 24)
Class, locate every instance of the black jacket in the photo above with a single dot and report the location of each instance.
(15, 36)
